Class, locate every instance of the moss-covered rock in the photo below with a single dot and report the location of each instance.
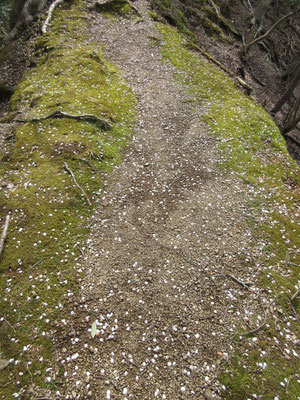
(48, 210)
(115, 7)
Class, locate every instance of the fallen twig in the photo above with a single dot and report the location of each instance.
(230, 139)
(240, 81)
(6, 384)
(68, 169)
(295, 295)
(135, 9)
(5, 320)
(108, 379)
(4, 233)
(244, 284)
(50, 12)
(43, 398)
(259, 328)
(60, 114)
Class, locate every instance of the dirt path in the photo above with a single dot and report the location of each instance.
(168, 228)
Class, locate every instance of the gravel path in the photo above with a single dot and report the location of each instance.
(168, 230)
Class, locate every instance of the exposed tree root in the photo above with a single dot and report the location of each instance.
(60, 114)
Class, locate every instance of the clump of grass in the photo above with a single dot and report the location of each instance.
(251, 144)
(48, 211)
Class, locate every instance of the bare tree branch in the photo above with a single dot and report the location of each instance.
(271, 29)
(50, 12)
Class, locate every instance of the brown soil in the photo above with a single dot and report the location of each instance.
(168, 232)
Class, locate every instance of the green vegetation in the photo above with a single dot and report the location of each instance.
(5, 11)
(211, 17)
(171, 12)
(48, 211)
(116, 8)
(251, 145)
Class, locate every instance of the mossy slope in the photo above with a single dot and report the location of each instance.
(48, 211)
(190, 16)
(251, 145)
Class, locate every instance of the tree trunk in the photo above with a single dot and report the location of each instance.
(288, 92)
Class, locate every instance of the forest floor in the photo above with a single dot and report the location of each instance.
(168, 232)
(171, 272)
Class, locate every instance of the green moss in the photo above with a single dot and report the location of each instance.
(48, 211)
(116, 8)
(173, 13)
(251, 144)
(212, 29)
(153, 15)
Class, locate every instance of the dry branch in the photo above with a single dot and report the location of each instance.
(50, 12)
(5, 320)
(240, 81)
(271, 29)
(107, 379)
(42, 398)
(4, 233)
(60, 114)
(244, 284)
(262, 326)
(295, 295)
(259, 328)
(68, 169)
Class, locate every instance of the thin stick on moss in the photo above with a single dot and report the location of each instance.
(256, 330)
(262, 326)
(60, 114)
(68, 169)
(209, 57)
(134, 8)
(5, 320)
(4, 233)
(49, 16)
(295, 295)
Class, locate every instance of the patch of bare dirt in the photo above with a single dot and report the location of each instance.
(168, 234)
